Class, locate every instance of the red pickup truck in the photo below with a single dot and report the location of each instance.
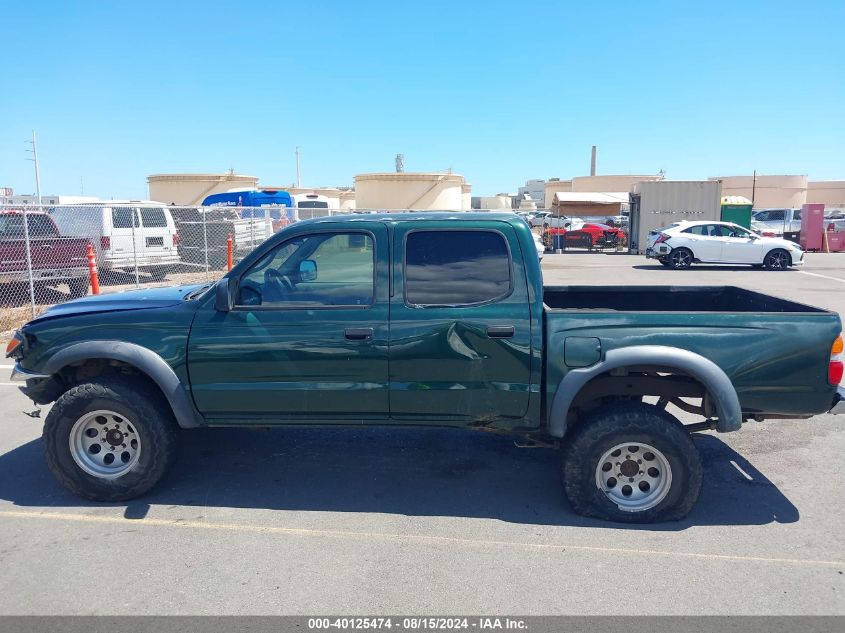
(54, 259)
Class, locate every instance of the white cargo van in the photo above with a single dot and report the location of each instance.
(124, 233)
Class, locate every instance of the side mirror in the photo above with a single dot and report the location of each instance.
(307, 270)
(223, 299)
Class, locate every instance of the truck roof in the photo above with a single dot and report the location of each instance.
(413, 216)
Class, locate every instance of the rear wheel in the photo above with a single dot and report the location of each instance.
(632, 463)
(665, 261)
(110, 440)
(777, 259)
(680, 258)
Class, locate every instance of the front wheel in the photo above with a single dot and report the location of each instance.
(111, 439)
(777, 259)
(631, 463)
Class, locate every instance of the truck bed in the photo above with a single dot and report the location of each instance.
(668, 299)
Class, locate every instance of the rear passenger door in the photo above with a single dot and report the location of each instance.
(460, 324)
(126, 241)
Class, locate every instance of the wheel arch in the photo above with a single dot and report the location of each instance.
(716, 382)
(140, 358)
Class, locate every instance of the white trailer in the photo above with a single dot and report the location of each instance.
(655, 204)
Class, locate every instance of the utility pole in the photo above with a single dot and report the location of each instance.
(753, 188)
(26, 227)
(298, 181)
(37, 175)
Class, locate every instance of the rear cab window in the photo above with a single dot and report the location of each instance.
(445, 268)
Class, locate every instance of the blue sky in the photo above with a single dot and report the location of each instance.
(497, 91)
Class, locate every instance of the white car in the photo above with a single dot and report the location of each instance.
(538, 242)
(681, 244)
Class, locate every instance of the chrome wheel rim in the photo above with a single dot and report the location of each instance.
(682, 259)
(634, 476)
(104, 444)
(778, 260)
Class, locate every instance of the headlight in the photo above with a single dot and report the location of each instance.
(16, 346)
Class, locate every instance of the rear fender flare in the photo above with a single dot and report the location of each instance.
(704, 370)
(141, 358)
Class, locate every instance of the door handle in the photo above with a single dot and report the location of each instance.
(500, 331)
(358, 333)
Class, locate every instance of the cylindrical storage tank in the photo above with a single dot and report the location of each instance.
(622, 182)
(830, 193)
(408, 190)
(347, 200)
(191, 189)
(466, 196)
(499, 202)
(552, 187)
(769, 192)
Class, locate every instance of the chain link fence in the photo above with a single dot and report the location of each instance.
(45, 250)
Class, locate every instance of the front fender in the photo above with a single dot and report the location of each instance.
(144, 360)
(704, 370)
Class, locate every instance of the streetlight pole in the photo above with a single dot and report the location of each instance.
(298, 181)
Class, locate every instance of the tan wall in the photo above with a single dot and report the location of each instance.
(769, 191)
(552, 187)
(466, 197)
(421, 191)
(498, 203)
(191, 189)
(830, 193)
(610, 182)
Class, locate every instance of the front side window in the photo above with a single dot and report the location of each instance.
(324, 269)
(455, 268)
(121, 217)
(735, 231)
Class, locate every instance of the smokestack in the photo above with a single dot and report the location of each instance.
(593, 162)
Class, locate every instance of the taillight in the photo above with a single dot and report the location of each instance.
(176, 239)
(836, 367)
(662, 238)
(105, 242)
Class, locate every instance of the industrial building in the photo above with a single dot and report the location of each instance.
(786, 191)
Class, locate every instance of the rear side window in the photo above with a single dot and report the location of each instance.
(121, 217)
(455, 268)
(153, 218)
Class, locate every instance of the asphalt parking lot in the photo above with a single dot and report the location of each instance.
(370, 521)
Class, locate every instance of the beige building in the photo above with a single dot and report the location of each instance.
(412, 190)
(767, 192)
(610, 183)
(830, 193)
(552, 187)
(190, 189)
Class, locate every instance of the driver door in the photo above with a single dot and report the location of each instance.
(307, 337)
(740, 246)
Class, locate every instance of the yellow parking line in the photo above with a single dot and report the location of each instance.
(419, 538)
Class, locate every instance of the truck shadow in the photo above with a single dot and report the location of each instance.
(411, 472)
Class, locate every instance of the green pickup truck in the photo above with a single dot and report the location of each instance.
(425, 319)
